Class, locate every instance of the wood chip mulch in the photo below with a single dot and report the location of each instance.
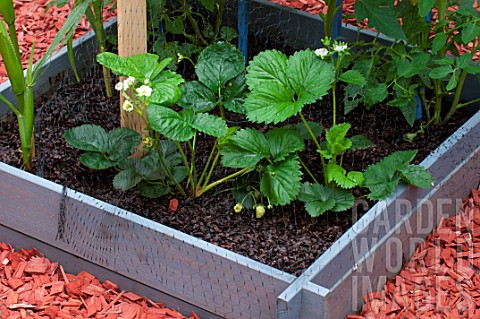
(35, 25)
(33, 287)
(442, 280)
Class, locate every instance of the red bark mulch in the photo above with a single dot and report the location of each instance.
(35, 25)
(442, 280)
(33, 287)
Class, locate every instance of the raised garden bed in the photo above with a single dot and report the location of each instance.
(221, 283)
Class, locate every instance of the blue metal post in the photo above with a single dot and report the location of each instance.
(419, 110)
(243, 27)
(337, 20)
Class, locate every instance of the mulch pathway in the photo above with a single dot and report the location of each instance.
(34, 25)
(442, 280)
(33, 287)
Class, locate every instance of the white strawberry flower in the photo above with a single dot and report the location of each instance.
(128, 106)
(340, 46)
(322, 52)
(119, 86)
(144, 90)
(128, 82)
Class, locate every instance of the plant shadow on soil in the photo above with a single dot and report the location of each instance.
(286, 238)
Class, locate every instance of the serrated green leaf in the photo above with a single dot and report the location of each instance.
(140, 66)
(218, 64)
(353, 96)
(382, 178)
(281, 181)
(376, 93)
(179, 173)
(122, 142)
(334, 170)
(440, 72)
(270, 94)
(269, 67)
(381, 15)
(337, 143)
(439, 42)
(409, 110)
(197, 97)
(233, 94)
(343, 200)
(126, 179)
(230, 132)
(150, 190)
(417, 175)
(279, 88)
(228, 33)
(244, 149)
(173, 125)
(359, 142)
(95, 160)
(408, 69)
(318, 199)
(210, 124)
(88, 137)
(166, 88)
(309, 77)
(316, 128)
(283, 141)
(264, 106)
(353, 76)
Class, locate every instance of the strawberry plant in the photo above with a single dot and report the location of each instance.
(430, 67)
(174, 116)
(279, 88)
(268, 167)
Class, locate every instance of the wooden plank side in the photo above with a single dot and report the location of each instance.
(212, 278)
(370, 272)
(73, 264)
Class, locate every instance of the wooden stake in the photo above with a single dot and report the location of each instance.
(132, 39)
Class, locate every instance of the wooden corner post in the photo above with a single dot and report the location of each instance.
(132, 39)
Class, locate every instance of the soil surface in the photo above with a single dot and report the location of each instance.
(286, 238)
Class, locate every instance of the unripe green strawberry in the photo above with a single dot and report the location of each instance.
(259, 211)
(238, 208)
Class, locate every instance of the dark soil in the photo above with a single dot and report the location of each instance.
(286, 238)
